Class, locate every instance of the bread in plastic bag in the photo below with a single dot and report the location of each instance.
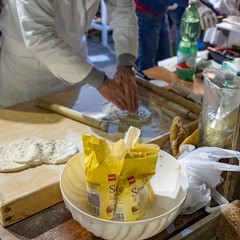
(204, 174)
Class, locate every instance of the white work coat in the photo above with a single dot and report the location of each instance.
(43, 41)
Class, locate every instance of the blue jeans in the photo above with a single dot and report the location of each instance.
(153, 39)
(175, 18)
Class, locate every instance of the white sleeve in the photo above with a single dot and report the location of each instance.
(36, 18)
(123, 22)
(229, 7)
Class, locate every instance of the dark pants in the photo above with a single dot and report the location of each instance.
(154, 42)
(175, 19)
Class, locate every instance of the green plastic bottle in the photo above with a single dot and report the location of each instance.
(187, 49)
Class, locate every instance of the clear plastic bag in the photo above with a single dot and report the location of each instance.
(204, 175)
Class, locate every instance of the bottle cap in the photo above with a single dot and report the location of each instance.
(229, 81)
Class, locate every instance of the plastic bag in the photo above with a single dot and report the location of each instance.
(204, 174)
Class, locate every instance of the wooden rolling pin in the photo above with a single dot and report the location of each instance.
(67, 112)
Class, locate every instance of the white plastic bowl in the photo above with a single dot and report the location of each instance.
(170, 185)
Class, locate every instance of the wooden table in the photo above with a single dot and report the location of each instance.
(196, 85)
(56, 223)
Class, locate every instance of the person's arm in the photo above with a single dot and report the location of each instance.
(208, 16)
(229, 7)
(123, 22)
(41, 38)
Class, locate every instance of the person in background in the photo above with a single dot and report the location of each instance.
(174, 13)
(227, 7)
(154, 41)
(220, 38)
(44, 50)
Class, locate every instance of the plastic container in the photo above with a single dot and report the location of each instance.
(220, 118)
(188, 47)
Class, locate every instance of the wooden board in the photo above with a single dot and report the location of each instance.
(27, 192)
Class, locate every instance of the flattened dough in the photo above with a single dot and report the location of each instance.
(142, 116)
(56, 151)
(6, 165)
(25, 151)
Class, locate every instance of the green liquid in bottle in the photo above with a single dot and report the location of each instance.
(187, 50)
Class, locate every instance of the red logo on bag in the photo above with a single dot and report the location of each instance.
(112, 177)
(131, 180)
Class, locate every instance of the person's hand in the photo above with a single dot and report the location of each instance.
(125, 77)
(207, 17)
(172, 7)
(114, 90)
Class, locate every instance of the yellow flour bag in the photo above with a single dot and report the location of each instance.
(103, 165)
(118, 176)
(135, 193)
